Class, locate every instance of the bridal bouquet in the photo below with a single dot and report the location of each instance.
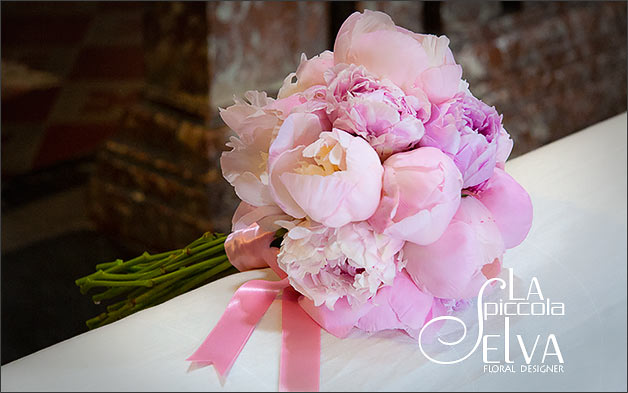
(373, 185)
(387, 175)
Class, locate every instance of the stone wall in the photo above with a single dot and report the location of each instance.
(158, 183)
(551, 68)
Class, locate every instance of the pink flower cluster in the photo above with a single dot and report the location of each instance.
(387, 174)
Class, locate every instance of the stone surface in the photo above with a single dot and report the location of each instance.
(175, 51)
(158, 181)
(550, 68)
(255, 45)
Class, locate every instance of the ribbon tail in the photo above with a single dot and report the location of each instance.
(247, 306)
(300, 347)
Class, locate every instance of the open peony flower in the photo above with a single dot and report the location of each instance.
(470, 132)
(420, 195)
(332, 177)
(326, 264)
(244, 166)
(460, 261)
(411, 61)
(377, 110)
(256, 121)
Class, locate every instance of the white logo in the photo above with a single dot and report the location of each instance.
(534, 304)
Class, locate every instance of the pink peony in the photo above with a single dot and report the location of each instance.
(326, 264)
(411, 61)
(460, 261)
(331, 177)
(375, 109)
(470, 132)
(256, 121)
(420, 195)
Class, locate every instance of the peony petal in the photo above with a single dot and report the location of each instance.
(400, 306)
(265, 216)
(441, 83)
(452, 266)
(510, 205)
(338, 321)
(421, 193)
(299, 129)
(389, 54)
(282, 163)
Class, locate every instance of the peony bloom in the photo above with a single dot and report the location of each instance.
(460, 261)
(326, 264)
(332, 177)
(256, 121)
(470, 132)
(420, 195)
(244, 166)
(510, 206)
(411, 61)
(376, 110)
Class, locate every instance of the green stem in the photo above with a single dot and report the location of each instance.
(148, 280)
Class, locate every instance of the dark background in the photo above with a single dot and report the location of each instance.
(110, 138)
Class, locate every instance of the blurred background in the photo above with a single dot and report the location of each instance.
(111, 139)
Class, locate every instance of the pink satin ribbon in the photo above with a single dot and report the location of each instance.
(300, 349)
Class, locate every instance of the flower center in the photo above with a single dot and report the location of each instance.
(321, 158)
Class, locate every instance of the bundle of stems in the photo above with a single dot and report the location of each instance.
(148, 280)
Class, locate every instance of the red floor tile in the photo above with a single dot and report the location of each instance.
(66, 141)
(109, 62)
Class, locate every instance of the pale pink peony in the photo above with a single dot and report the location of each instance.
(256, 121)
(331, 177)
(375, 109)
(326, 264)
(420, 195)
(460, 261)
(470, 132)
(411, 61)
